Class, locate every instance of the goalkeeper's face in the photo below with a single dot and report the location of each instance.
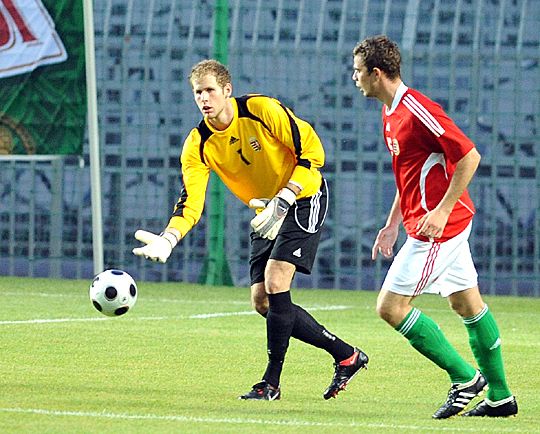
(211, 98)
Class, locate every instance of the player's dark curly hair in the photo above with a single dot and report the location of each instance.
(380, 52)
(210, 67)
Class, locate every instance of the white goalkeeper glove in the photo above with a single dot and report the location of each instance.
(268, 222)
(158, 247)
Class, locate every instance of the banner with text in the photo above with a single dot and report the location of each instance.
(42, 77)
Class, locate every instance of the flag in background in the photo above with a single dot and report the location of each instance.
(42, 77)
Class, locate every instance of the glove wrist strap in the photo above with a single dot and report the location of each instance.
(171, 238)
(287, 195)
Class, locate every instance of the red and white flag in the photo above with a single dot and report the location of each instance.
(28, 38)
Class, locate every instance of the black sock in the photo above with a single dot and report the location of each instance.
(279, 324)
(308, 330)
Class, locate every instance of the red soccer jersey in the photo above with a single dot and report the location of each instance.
(425, 145)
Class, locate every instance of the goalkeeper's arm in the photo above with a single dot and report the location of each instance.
(157, 247)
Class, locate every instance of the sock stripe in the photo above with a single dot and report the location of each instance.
(500, 402)
(411, 320)
(477, 317)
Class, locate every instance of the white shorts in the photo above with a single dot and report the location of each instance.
(431, 267)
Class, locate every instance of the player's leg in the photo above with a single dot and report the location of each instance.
(415, 269)
(298, 248)
(298, 244)
(259, 298)
(485, 343)
(347, 359)
(306, 328)
(280, 320)
(280, 317)
(424, 334)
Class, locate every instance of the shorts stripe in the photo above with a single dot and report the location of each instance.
(315, 219)
(428, 267)
(411, 321)
(314, 212)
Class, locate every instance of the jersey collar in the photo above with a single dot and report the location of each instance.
(400, 91)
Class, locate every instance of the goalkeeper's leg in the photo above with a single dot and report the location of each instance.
(273, 264)
(305, 327)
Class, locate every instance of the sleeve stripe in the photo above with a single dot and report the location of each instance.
(297, 141)
(179, 207)
(423, 114)
(205, 134)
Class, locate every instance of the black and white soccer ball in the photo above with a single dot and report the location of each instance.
(113, 292)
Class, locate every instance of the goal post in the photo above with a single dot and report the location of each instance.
(93, 138)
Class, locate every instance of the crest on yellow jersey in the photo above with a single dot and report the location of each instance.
(254, 143)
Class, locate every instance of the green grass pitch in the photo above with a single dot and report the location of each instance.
(179, 359)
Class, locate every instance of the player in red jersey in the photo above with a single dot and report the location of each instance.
(433, 162)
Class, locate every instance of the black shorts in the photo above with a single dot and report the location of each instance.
(297, 240)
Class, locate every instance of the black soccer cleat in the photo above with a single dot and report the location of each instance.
(344, 374)
(460, 395)
(263, 391)
(504, 408)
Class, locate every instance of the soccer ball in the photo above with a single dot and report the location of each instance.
(113, 292)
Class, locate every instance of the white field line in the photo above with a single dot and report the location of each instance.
(148, 299)
(214, 302)
(251, 312)
(247, 421)
(178, 300)
(157, 318)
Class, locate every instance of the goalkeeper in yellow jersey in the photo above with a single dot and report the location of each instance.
(270, 159)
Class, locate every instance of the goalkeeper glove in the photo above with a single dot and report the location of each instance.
(268, 222)
(158, 247)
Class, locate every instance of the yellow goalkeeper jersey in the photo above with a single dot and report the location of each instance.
(263, 148)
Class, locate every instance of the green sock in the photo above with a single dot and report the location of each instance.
(485, 342)
(428, 339)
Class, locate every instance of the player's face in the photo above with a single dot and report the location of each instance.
(363, 80)
(210, 97)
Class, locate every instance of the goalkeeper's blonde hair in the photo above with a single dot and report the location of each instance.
(210, 67)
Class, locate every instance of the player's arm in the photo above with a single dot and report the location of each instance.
(301, 140)
(432, 224)
(309, 153)
(188, 209)
(387, 236)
